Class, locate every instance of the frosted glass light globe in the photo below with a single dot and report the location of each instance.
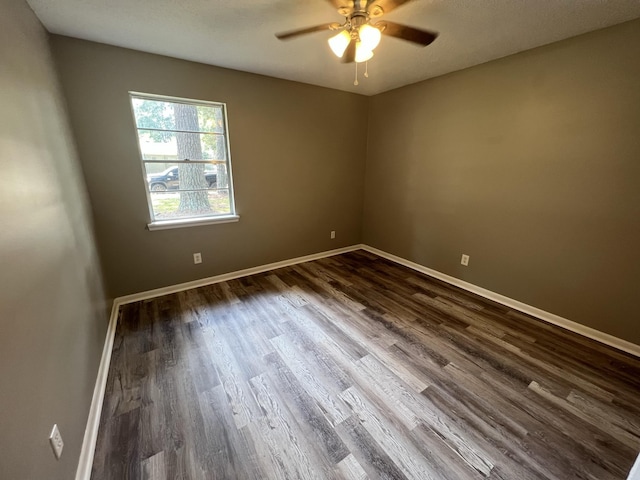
(369, 36)
(362, 53)
(339, 43)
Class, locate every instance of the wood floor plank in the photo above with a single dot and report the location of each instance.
(315, 425)
(370, 454)
(153, 468)
(326, 395)
(446, 461)
(390, 389)
(353, 367)
(233, 379)
(287, 447)
(596, 419)
(391, 438)
(351, 469)
(226, 443)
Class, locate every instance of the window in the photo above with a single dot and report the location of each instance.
(184, 148)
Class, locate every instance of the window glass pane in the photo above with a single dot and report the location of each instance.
(171, 131)
(185, 176)
(172, 204)
(211, 119)
(153, 114)
(179, 146)
(166, 115)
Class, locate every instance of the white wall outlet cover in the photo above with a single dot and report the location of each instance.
(333, 234)
(465, 260)
(55, 439)
(197, 258)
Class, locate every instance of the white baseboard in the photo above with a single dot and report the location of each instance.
(575, 327)
(634, 474)
(91, 432)
(158, 292)
(95, 411)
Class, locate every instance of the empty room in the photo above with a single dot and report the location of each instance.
(385, 239)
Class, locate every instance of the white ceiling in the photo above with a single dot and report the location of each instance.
(239, 34)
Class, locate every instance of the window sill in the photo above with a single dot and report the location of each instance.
(192, 222)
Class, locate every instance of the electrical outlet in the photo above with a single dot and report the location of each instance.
(333, 234)
(465, 260)
(55, 439)
(197, 258)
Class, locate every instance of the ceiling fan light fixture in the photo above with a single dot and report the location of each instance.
(339, 43)
(362, 53)
(369, 36)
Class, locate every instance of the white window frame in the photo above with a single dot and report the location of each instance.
(186, 221)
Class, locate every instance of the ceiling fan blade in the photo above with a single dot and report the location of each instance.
(404, 32)
(303, 31)
(349, 55)
(348, 4)
(387, 5)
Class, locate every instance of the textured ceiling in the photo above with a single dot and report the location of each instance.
(239, 34)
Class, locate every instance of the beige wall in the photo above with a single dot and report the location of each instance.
(530, 165)
(298, 156)
(52, 320)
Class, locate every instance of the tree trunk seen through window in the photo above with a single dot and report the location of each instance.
(191, 175)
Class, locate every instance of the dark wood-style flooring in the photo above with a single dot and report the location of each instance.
(354, 367)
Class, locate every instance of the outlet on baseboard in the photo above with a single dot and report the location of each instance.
(465, 260)
(333, 234)
(197, 258)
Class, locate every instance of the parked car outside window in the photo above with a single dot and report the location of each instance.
(169, 179)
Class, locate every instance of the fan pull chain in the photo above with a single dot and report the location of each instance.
(355, 82)
(366, 69)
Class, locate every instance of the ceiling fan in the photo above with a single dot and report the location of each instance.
(357, 36)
